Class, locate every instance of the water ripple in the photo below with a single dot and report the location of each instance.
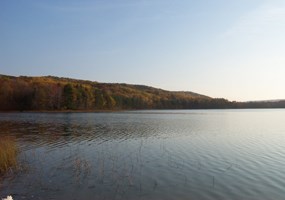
(149, 155)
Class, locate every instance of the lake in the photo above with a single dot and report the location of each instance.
(167, 155)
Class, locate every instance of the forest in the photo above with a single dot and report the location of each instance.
(49, 93)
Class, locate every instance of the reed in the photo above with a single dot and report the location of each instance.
(8, 154)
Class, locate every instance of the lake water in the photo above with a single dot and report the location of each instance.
(180, 154)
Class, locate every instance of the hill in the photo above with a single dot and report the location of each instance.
(56, 93)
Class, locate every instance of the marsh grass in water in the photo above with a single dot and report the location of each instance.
(82, 168)
(8, 154)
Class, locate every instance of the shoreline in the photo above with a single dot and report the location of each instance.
(63, 111)
(124, 110)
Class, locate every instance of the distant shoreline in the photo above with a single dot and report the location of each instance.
(63, 111)
(63, 95)
(117, 111)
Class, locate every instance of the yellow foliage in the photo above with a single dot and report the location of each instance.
(8, 154)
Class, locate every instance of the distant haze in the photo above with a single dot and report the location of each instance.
(222, 48)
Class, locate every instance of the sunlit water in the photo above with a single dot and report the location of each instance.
(185, 154)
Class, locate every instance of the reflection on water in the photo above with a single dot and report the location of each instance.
(218, 154)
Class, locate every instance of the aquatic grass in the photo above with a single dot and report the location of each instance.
(82, 169)
(8, 154)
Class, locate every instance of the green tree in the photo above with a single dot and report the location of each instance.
(68, 97)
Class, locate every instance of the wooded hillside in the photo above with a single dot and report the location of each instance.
(50, 93)
(54, 93)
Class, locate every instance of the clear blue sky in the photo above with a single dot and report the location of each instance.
(221, 48)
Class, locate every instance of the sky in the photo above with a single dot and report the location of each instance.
(232, 49)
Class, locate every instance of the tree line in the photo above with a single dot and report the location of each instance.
(58, 94)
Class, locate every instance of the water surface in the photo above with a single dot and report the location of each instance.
(180, 154)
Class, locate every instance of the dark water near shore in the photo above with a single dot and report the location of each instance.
(184, 154)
